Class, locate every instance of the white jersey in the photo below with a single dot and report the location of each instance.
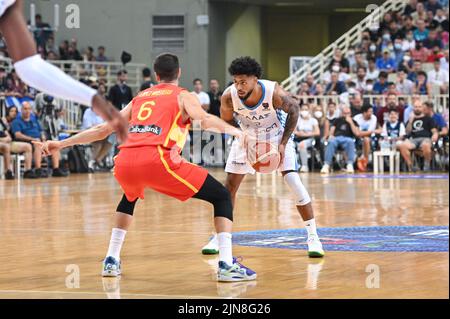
(262, 120)
(4, 5)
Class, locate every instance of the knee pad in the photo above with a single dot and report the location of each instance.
(126, 207)
(222, 204)
(296, 186)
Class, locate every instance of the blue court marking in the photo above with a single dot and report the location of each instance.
(371, 239)
(406, 176)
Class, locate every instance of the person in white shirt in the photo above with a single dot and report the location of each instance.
(306, 131)
(444, 61)
(403, 85)
(367, 123)
(100, 149)
(361, 79)
(202, 96)
(372, 71)
(439, 77)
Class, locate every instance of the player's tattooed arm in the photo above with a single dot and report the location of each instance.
(282, 100)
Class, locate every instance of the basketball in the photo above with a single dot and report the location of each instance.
(264, 157)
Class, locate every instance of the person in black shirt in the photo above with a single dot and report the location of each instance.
(342, 134)
(214, 96)
(147, 75)
(422, 131)
(120, 94)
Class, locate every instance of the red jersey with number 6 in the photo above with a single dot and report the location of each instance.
(156, 119)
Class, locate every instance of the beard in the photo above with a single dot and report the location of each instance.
(246, 96)
(417, 113)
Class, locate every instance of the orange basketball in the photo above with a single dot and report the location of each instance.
(264, 157)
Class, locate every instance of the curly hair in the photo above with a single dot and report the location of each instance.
(245, 66)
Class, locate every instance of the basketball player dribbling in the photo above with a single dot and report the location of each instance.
(159, 119)
(267, 113)
(43, 76)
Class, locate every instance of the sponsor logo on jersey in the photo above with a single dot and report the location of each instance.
(146, 129)
(257, 118)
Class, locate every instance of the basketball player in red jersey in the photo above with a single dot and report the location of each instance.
(159, 119)
(43, 76)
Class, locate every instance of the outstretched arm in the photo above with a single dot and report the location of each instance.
(226, 108)
(45, 77)
(93, 134)
(191, 106)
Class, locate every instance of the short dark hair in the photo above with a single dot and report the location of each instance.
(422, 73)
(383, 74)
(393, 111)
(429, 104)
(146, 72)
(245, 66)
(166, 66)
(366, 107)
(361, 68)
(197, 80)
(122, 72)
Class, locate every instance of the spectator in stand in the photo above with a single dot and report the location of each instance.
(433, 5)
(392, 89)
(372, 72)
(434, 54)
(417, 67)
(72, 51)
(408, 26)
(367, 123)
(311, 84)
(17, 92)
(369, 87)
(381, 85)
(391, 104)
(393, 129)
(101, 54)
(423, 132)
(360, 62)
(421, 33)
(335, 85)
(420, 15)
(100, 149)
(215, 94)
(398, 52)
(403, 85)
(439, 77)
(444, 61)
(361, 79)
(441, 19)
(305, 133)
(120, 94)
(147, 76)
(432, 41)
(395, 31)
(341, 60)
(5, 150)
(420, 53)
(342, 133)
(422, 86)
(410, 7)
(409, 43)
(320, 90)
(202, 96)
(64, 50)
(17, 147)
(356, 104)
(26, 128)
(438, 118)
(42, 32)
(332, 114)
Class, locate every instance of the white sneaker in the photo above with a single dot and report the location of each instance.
(211, 248)
(304, 169)
(315, 249)
(325, 169)
(350, 169)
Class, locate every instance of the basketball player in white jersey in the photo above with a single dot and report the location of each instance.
(43, 76)
(266, 112)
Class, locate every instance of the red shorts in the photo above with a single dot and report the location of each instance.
(157, 168)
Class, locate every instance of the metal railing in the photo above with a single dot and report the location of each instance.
(106, 71)
(318, 65)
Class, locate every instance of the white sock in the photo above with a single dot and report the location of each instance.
(310, 226)
(115, 244)
(225, 249)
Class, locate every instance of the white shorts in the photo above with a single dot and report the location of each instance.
(4, 5)
(237, 160)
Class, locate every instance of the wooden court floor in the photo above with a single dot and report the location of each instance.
(54, 234)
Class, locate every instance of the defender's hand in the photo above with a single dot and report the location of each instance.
(48, 147)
